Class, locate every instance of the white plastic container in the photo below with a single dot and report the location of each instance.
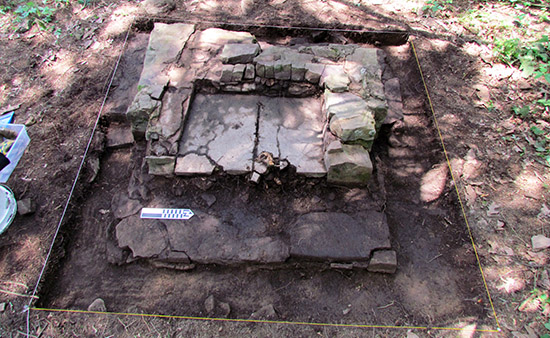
(16, 150)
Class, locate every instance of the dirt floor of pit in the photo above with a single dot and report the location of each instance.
(434, 283)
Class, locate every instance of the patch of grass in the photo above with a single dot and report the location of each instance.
(435, 6)
(531, 57)
(40, 12)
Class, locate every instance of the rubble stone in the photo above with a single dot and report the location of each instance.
(239, 52)
(384, 261)
(347, 164)
(161, 165)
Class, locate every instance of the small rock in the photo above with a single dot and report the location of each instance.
(26, 206)
(210, 304)
(383, 261)
(346, 311)
(265, 312)
(2, 307)
(315, 199)
(208, 199)
(540, 242)
(255, 177)
(234, 53)
(97, 305)
(225, 309)
(544, 281)
(493, 210)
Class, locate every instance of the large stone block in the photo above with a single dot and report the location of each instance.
(314, 72)
(239, 52)
(335, 78)
(338, 237)
(214, 38)
(282, 70)
(354, 126)
(161, 165)
(139, 112)
(347, 164)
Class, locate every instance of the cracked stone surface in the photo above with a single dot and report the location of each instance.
(292, 129)
(339, 237)
(222, 128)
(207, 239)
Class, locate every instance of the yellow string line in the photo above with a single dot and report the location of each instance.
(148, 315)
(456, 187)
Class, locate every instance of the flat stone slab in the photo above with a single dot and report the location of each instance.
(222, 128)
(292, 129)
(207, 239)
(203, 239)
(339, 237)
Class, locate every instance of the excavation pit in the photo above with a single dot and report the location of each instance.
(306, 249)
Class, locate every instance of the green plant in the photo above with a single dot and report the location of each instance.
(435, 6)
(531, 57)
(33, 13)
(522, 112)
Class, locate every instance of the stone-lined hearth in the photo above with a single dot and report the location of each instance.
(181, 63)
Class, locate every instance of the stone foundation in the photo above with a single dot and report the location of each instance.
(181, 63)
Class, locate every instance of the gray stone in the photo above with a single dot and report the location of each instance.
(172, 115)
(342, 103)
(302, 89)
(314, 72)
(249, 72)
(392, 91)
(193, 164)
(322, 51)
(335, 79)
(216, 308)
(238, 72)
(384, 261)
(227, 74)
(209, 199)
(2, 306)
(122, 206)
(269, 70)
(210, 240)
(26, 206)
(98, 305)
(239, 53)
(224, 309)
(255, 177)
(265, 312)
(165, 43)
(144, 237)
(338, 237)
(298, 71)
(354, 126)
(119, 136)
(347, 164)
(161, 165)
(210, 304)
(292, 129)
(248, 87)
(282, 70)
(540, 242)
(223, 128)
(215, 38)
(139, 111)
